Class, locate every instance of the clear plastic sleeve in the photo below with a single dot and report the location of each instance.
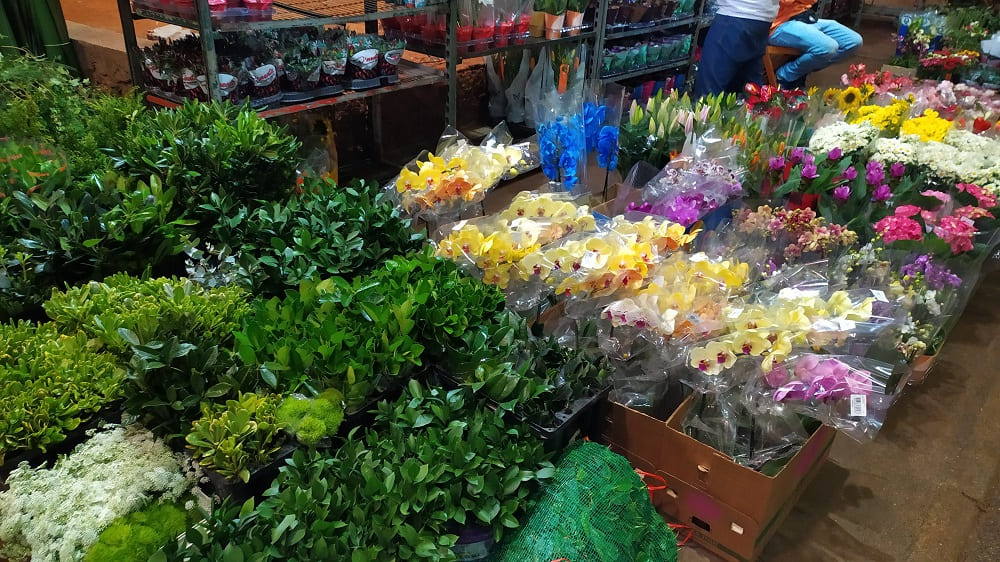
(849, 393)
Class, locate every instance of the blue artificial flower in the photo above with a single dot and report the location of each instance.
(548, 136)
(593, 117)
(607, 147)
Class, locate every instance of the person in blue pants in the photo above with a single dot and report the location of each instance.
(734, 47)
(822, 42)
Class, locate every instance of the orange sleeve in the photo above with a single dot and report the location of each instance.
(788, 9)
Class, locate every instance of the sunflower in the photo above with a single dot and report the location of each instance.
(830, 96)
(850, 99)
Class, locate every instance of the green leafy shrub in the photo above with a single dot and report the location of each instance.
(41, 100)
(331, 334)
(206, 148)
(145, 310)
(55, 231)
(432, 462)
(135, 537)
(168, 380)
(237, 436)
(327, 230)
(310, 420)
(49, 384)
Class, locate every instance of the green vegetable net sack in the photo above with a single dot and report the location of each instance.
(596, 508)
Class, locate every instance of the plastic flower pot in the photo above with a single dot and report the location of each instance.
(921, 367)
(621, 60)
(606, 61)
(474, 543)
(524, 25)
(502, 33)
(554, 25)
(482, 32)
(464, 33)
(574, 20)
(654, 52)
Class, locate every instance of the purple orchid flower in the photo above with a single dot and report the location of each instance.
(841, 194)
(897, 170)
(835, 154)
(797, 155)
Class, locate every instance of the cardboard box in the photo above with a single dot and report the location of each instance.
(732, 510)
(900, 70)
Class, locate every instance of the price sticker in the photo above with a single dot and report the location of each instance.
(859, 405)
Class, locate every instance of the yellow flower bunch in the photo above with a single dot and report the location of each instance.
(887, 118)
(557, 207)
(597, 265)
(436, 183)
(662, 234)
(850, 99)
(685, 296)
(770, 331)
(929, 127)
(496, 244)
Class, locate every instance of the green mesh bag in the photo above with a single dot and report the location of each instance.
(595, 508)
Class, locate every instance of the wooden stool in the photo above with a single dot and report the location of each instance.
(775, 51)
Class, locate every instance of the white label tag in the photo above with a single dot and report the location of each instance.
(392, 56)
(859, 405)
(879, 295)
(264, 75)
(366, 59)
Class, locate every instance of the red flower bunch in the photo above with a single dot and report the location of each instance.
(948, 61)
(773, 101)
(883, 82)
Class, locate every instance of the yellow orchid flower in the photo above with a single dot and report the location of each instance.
(713, 358)
(751, 342)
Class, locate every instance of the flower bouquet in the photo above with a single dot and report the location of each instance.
(604, 262)
(791, 235)
(942, 64)
(684, 298)
(495, 244)
(687, 189)
(849, 393)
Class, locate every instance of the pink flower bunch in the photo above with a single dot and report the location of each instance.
(958, 232)
(816, 378)
(883, 82)
(896, 227)
(986, 200)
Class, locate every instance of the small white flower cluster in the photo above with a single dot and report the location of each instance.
(59, 513)
(963, 157)
(846, 136)
(889, 151)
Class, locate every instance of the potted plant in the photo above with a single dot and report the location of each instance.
(554, 13)
(574, 15)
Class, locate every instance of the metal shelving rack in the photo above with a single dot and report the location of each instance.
(696, 22)
(287, 13)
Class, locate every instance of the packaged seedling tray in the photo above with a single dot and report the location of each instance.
(362, 62)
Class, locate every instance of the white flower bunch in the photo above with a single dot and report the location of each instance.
(846, 136)
(902, 150)
(57, 514)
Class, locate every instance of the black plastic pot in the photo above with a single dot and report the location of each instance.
(578, 417)
(261, 477)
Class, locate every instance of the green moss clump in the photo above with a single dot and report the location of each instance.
(310, 420)
(136, 536)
